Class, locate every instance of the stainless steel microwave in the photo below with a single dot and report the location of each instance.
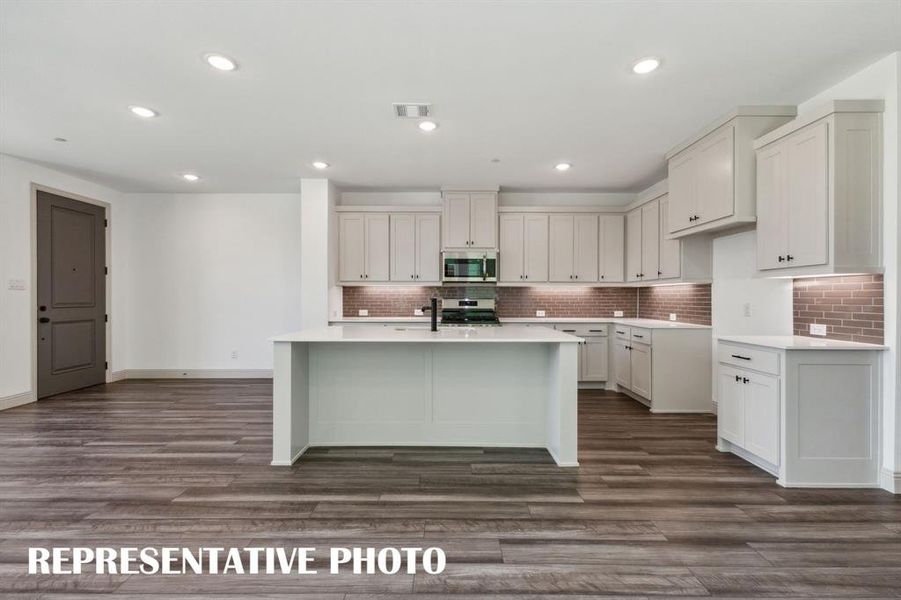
(469, 266)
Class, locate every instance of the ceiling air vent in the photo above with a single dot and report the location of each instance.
(412, 110)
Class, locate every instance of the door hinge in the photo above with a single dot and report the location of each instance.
(106, 366)
(106, 318)
(106, 270)
(105, 223)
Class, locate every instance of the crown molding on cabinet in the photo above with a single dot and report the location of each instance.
(822, 111)
(399, 208)
(470, 188)
(739, 111)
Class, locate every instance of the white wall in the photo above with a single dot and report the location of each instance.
(16, 178)
(883, 80)
(211, 274)
(433, 198)
(734, 286)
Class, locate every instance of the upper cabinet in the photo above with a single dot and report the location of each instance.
(652, 254)
(611, 248)
(364, 247)
(415, 248)
(574, 248)
(819, 197)
(523, 248)
(712, 175)
(470, 220)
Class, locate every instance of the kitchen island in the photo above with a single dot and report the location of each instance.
(510, 386)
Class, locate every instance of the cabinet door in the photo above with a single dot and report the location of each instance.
(561, 247)
(772, 206)
(633, 245)
(512, 262)
(612, 247)
(715, 181)
(535, 247)
(730, 408)
(682, 184)
(761, 416)
(428, 248)
(670, 250)
(378, 252)
(585, 248)
(456, 220)
(808, 197)
(641, 370)
(483, 220)
(352, 241)
(650, 241)
(403, 248)
(594, 359)
(622, 364)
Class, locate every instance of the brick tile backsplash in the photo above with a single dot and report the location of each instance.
(850, 306)
(690, 302)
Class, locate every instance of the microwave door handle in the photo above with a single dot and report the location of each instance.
(484, 267)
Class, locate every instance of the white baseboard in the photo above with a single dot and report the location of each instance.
(115, 376)
(890, 481)
(197, 373)
(16, 400)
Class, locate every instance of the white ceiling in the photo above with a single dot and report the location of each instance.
(530, 83)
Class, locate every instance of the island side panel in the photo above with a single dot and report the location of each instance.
(290, 402)
(562, 404)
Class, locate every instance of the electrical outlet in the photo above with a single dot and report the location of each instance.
(617, 313)
(17, 284)
(417, 312)
(672, 316)
(234, 354)
(817, 329)
(540, 313)
(363, 312)
(747, 309)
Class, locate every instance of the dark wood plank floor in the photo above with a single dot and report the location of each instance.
(654, 508)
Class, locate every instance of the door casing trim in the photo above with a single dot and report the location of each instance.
(108, 285)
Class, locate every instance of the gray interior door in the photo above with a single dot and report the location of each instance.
(71, 294)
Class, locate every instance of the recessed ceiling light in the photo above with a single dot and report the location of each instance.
(320, 164)
(428, 125)
(223, 63)
(60, 139)
(562, 166)
(646, 65)
(143, 111)
(190, 177)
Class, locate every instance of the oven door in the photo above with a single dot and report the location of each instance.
(469, 267)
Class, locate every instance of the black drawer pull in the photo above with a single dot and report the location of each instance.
(739, 356)
(636, 335)
(596, 330)
(620, 332)
(568, 330)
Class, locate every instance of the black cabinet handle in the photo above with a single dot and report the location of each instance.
(595, 331)
(636, 335)
(745, 380)
(739, 356)
(602, 276)
(520, 276)
(570, 276)
(568, 330)
(738, 378)
(789, 257)
(781, 258)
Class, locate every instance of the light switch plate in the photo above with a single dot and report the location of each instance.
(817, 329)
(417, 312)
(17, 284)
(539, 313)
(363, 312)
(747, 309)
(617, 313)
(672, 316)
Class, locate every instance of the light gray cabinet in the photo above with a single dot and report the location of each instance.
(523, 248)
(364, 253)
(470, 220)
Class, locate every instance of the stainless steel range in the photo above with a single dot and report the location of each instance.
(468, 312)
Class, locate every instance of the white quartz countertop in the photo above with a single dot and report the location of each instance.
(646, 323)
(507, 334)
(797, 342)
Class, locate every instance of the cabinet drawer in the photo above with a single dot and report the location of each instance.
(641, 335)
(622, 332)
(584, 329)
(749, 358)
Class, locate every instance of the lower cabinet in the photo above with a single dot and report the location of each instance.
(749, 411)
(641, 369)
(593, 355)
(808, 414)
